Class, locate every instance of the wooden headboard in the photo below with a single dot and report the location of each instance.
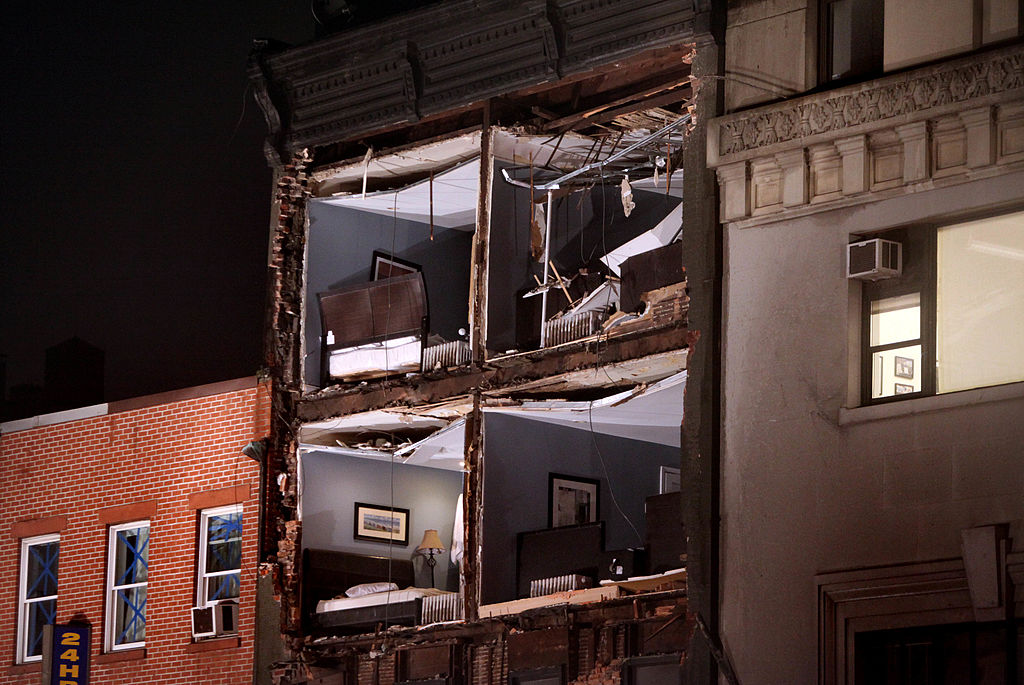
(558, 551)
(328, 573)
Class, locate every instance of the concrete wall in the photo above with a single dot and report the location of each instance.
(519, 455)
(770, 53)
(805, 493)
(339, 253)
(919, 31)
(333, 483)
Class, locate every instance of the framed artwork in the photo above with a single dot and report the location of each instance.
(903, 389)
(377, 523)
(388, 266)
(572, 500)
(668, 480)
(904, 367)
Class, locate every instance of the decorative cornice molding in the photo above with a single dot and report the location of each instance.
(444, 57)
(848, 111)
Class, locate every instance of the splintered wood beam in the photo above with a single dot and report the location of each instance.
(534, 370)
(678, 89)
(472, 509)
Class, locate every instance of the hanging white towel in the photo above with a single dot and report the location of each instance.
(457, 532)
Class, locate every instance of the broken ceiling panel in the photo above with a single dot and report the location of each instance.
(650, 413)
(403, 425)
(397, 168)
(448, 199)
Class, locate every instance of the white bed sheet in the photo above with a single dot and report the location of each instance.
(402, 355)
(393, 597)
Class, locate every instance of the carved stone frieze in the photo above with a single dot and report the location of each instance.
(945, 123)
(956, 82)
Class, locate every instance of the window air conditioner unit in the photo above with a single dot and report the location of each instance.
(873, 260)
(215, 620)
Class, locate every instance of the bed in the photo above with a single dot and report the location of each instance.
(327, 574)
(371, 329)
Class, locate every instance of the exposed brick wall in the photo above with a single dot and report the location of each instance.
(160, 453)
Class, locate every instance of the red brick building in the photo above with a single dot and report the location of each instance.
(142, 502)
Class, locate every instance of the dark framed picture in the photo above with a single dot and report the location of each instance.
(376, 523)
(904, 367)
(903, 389)
(572, 500)
(388, 266)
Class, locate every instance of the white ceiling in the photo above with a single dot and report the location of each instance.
(454, 198)
(650, 414)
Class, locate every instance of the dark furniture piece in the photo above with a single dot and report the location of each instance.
(633, 562)
(557, 552)
(327, 574)
(648, 271)
(372, 312)
(666, 537)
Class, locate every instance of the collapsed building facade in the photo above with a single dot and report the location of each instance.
(478, 345)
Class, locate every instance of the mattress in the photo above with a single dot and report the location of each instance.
(377, 598)
(398, 355)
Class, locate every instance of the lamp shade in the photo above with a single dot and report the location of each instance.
(431, 543)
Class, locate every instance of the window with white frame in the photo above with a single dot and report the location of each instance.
(127, 581)
(954, 319)
(220, 554)
(37, 593)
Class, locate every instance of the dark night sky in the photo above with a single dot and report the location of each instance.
(135, 215)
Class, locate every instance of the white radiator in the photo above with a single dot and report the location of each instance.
(446, 355)
(548, 586)
(438, 608)
(569, 328)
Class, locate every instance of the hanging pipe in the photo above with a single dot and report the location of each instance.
(547, 262)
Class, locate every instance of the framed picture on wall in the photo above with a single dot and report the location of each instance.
(904, 367)
(388, 266)
(376, 523)
(572, 500)
(904, 389)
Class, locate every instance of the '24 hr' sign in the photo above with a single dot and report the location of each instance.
(69, 655)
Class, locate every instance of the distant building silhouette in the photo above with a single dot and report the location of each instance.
(73, 376)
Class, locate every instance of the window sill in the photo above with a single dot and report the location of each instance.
(123, 655)
(213, 645)
(21, 669)
(921, 405)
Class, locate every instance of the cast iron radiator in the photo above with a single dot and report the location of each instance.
(437, 608)
(446, 355)
(567, 329)
(547, 586)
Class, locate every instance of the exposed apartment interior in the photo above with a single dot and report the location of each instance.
(389, 254)
(582, 248)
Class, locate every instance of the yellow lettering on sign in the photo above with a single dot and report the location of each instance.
(67, 671)
(69, 655)
(71, 639)
(68, 682)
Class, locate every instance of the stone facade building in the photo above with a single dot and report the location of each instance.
(872, 459)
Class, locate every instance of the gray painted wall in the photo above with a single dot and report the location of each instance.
(333, 483)
(518, 456)
(802, 494)
(339, 253)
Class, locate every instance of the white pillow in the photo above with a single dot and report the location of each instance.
(369, 589)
